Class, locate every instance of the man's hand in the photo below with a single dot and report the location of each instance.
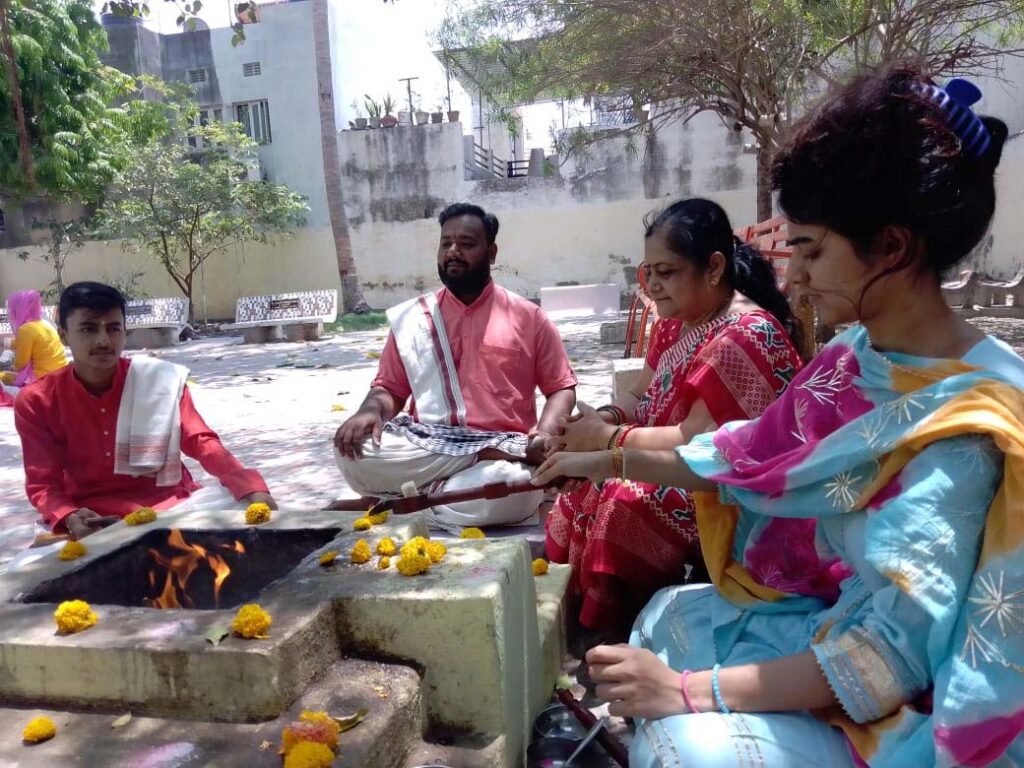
(635, 682)
(586, 432)
(352, 434)
(259, 497)
(82, 522)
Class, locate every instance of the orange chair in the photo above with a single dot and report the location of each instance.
(641, 309)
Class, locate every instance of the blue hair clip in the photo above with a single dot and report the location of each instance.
(955, 99)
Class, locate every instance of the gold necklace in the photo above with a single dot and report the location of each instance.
(920, 373)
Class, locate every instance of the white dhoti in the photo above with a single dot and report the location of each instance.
(398, 461)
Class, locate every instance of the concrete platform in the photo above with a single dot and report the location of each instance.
(153, 338)
(614, 332)
(486, 644)
(625, 373)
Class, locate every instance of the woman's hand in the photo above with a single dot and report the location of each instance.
(585, 432)
(635, 682)
(595, 466)
(258, 497)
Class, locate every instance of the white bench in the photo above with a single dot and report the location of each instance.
(580, 300)
(153, 323)
(49, 312)
(298, 316)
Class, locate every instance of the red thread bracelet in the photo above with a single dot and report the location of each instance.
(621, 439)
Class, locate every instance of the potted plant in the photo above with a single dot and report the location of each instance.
(373, 109)
(453, 115)
(360, 119)
(422, 117)
(437, 115)
(388, 120)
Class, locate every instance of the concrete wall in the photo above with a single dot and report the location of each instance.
(583, 224)
(1001, 254)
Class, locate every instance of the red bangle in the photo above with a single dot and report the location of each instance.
(686, 693)
(621, 440)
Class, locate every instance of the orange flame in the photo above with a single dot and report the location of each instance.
(180, 568)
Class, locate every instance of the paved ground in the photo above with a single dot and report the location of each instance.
(272, 406)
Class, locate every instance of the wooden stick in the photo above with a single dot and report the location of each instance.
(611, 745)
(423, 501)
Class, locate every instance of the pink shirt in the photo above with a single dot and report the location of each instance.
(504, 348)
(67, 438)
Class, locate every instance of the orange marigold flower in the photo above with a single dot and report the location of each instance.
(540, 566)
(309, 754)
(257, 513)
(39, 729)
(386, 547)
(328, 725)
(328, 558)
(74, 616)
(141, 516)
(472, 533)
(361, 552)
(72, 550)
(252, 622)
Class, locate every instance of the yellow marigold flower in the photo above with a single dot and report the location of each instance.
(328, 558)
(472, 533)
(362, 524)
(309, 754)
(379, 519)
(141, 516)
(384, 563)
(72, 550)
(413, 564)
(74, 616)
(322, 720)
(39, 729)
(252, 622)
(415, 546)
(257, 513)
(540, 566)
(386, 547)
(437, 550)
(361, 552)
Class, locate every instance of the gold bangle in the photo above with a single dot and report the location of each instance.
(617, 463)
(614, 439)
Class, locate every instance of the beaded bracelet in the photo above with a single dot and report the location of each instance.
(686, 691)
(717, 691)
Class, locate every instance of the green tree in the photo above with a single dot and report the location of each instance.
(753, 62)
(63, 238)
(59, 133)
(189, 198)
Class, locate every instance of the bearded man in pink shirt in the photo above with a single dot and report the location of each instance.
(468, 360)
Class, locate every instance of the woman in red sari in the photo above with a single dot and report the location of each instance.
(723, 351)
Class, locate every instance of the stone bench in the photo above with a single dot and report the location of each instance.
(154, 323)
(49, 312)
(298, 316)
(580, 300)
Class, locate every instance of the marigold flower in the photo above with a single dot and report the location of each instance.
(141, 516)
(74, 616)
(257, 513)
(379, 519)
(361, 552)
(328, 558)
(39, 729)
(309, 754)
(437, 550)
(252, 622)
(325, 722)
(362, 524)
(415, 546)
(540, 566)
(472, 533)
(384, 563)
(386, 546)
(72, 550)
(414, 563)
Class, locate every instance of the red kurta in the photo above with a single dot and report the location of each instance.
(67, 438)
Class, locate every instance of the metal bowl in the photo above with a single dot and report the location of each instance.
(558, 721)
(552, 752)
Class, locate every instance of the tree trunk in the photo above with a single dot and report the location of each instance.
(14, 84)
(764, 183)
(351, 292)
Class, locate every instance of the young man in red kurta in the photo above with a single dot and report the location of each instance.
(68, 422)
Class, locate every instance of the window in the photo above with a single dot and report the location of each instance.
(206, 114)
(197, 76)
(255, 119)
(251, 69)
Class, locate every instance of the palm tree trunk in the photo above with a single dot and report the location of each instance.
(351, 292)
(14, 85)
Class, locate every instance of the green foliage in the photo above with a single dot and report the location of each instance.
(62, 239)
(188, 198)
(74, 133)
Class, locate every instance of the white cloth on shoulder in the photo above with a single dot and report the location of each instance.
(148, 438)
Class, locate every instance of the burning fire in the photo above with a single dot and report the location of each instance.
(179, 568)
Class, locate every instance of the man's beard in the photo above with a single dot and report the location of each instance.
(470, 283)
